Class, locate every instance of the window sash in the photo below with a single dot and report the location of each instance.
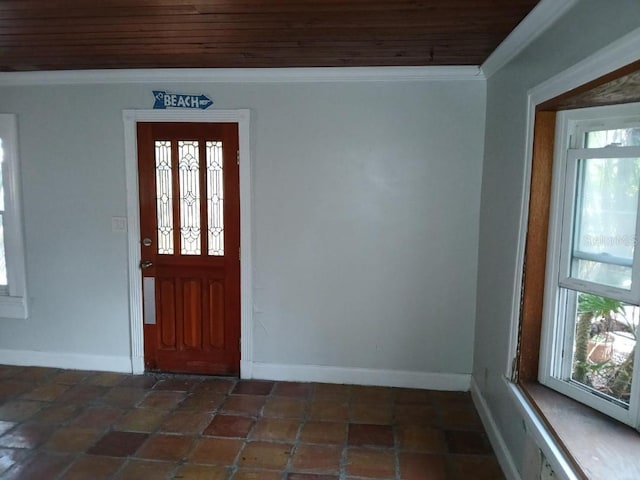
(582, 128)
(558, 376)
(568, 232)
(560, 296)
(4, 284)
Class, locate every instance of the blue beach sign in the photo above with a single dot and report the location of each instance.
(180, 100)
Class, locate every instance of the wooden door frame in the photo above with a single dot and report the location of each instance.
(130, 120)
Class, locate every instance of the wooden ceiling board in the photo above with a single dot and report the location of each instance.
(84, 34)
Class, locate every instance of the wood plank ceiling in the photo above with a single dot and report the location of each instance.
(88, 34)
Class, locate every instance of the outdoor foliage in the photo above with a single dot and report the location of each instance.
(597, 362)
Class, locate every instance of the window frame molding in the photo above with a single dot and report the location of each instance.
(13, 304)
(606, 62)
(567, 458)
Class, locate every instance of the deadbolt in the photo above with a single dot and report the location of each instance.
(147, 242)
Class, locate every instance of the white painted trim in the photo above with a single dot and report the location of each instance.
(522, 237)
(133, 245)
(616, 55)
(14, 304)
(13, 307)
(536, 428)
(246, 366)
(74, 361)
(242, 118)
(242, 75)
(137, 365)
(498, 443)
(246, 244)
(539, 19)
(361, 376)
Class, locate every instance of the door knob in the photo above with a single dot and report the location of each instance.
(146, 264)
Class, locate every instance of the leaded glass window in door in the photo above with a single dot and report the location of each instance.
(189, 175)
(164, 197)
(215, 199)
(189, 197)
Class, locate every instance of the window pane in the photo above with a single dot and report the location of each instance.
(164, 197)
(1, 177)
(604, 346)
(622, 137)
(605, 225)
(602, 273)
(215, 199)
(3, 260)
(189, 175)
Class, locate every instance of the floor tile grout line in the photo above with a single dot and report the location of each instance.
(121, 469)
(231, 469)
(77, 456)
(253, 427)
(344, 459)
(396, 452)
(296, 442)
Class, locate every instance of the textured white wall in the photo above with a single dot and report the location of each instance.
(366, 204)
(589, 26)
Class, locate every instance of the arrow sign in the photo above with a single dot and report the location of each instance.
(180, 100)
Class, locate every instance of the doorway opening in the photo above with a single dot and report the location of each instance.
(241, 120)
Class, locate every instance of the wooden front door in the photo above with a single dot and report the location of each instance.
(190, 246)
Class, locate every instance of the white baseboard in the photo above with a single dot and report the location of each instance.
(73, 361)
(495, 437)
(255, 370)
(359, 376)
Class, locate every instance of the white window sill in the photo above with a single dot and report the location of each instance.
(13, 307)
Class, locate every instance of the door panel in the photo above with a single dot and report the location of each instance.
(216, 310)
(166, 314)
(190, 228)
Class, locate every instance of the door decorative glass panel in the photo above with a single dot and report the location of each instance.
(164, 197)
(189, 168)
(193, 178)
(215, 199)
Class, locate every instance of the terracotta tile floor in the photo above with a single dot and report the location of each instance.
(65, 424)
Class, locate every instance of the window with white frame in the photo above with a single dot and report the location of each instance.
(592, 289)
(13, 296)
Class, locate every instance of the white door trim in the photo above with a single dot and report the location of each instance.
(242, 118)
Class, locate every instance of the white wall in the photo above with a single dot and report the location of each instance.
(588, 27)
(365, 220)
